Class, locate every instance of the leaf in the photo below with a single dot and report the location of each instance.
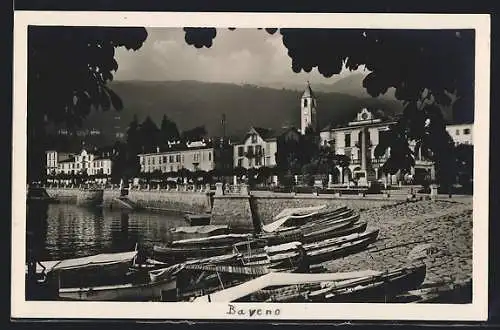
(380, 150)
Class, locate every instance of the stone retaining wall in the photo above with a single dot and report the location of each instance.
(63, 195)
(191, 202)
(76, 195)
(234, 211)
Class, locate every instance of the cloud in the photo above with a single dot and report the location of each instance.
(241, 56)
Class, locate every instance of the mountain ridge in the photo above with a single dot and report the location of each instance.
(192, 103)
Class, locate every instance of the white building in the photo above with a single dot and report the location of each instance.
(358, 140)
(461, 133)
(81, 163)
(260, 147)
(257, 149)
(196, 156)
(53, 158)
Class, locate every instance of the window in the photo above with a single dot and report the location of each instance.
(305, 102)
(240, 151)
(258, 161)
(466, 131)
(258, 150)
(196, 157)
(240, 162)
(164, 159)
(171, 168)
(254, 138)
(457, 132)
(209, 156)
(250, 150)
(171, 158)
(347, 139)
(177, 158)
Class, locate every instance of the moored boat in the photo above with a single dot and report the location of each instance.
(106, 268)
(151, 289)
(321, 254)
(179, 254)
(322, 235)
(227, 239)
(380, 288)
(246, 290)
(338, 241)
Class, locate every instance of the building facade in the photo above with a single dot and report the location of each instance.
(194, 156)
(358, 140)
(85, 163)
(257, 149)
(53, 158)
(261, 147)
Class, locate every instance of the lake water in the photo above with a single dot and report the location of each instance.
(67, 231)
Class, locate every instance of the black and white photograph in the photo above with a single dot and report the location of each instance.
(294, 166)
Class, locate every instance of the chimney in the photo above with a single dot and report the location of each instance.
(157, 149)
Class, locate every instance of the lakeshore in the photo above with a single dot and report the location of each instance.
(444, 224)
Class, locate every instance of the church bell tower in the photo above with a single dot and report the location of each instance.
(308, 110)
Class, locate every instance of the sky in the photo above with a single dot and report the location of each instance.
(242, 56)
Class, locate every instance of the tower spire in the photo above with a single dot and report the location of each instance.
(308, 109)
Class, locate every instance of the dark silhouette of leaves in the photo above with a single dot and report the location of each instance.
(200, 37)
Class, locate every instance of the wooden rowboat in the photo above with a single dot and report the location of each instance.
(179, 254)
(322, 254)
(158, 285)
(322, 235)
(227, 239)
(151, 291)
(338, 241)
(106, 268)
(380, 288)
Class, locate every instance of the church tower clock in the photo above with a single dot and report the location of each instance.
(308, 110)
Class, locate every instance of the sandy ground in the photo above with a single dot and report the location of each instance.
(444, 224)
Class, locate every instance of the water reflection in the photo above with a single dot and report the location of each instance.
(67, 231)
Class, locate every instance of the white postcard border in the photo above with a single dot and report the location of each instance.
(477, 311)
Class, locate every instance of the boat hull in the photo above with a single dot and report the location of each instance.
(179, 254)
(126, 292)
(318, 236)
(381, 290)
(323, 254)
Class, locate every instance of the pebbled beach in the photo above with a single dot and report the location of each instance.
(443, 228)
